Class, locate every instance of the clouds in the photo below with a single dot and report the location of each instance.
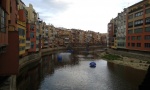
(80, 14)
(48, 8)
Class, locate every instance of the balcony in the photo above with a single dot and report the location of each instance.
(45, 46)
(37, 49)
(45, 42)
(28, 44)
(66, 42)
(37, 41)
(147, 5)
(66, 38)
(135, 9)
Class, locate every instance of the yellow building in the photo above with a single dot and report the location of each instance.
(21, 25)
(22, 36)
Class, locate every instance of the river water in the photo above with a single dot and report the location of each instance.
(74, 73)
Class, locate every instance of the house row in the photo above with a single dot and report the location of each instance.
(23, 33)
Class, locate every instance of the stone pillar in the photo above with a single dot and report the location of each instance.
(13, 82)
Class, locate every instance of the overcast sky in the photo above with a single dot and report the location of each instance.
(91, 15)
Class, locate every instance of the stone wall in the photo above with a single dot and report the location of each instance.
(130, 54)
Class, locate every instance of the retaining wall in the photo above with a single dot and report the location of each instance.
(130, 54)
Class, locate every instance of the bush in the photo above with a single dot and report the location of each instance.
(111, 57)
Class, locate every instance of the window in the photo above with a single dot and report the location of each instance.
(31, 27)
(2, 20)
(147, 45)
(147, 20)
(21, 48)
(147, 37)
(22, 41)
(133, 38)
(37, 45)
(130, 16)
(138, 14)
(130, 31)
(138, 44)
(138, 22)
(138, 37)
(128, 44)
(21, 32)
(147, 29)
(147, 11)
(121, 44)
(31, 34)
(133, 44)
(37, 37)
(130, 24)
(32, 45)
(138, 30)
(37, 30)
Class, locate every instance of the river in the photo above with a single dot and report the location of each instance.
(74, 73)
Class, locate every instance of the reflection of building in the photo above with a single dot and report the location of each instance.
(138, 26)
(30, 79)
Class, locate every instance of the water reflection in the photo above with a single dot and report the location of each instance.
(74, 73)
(131, 77)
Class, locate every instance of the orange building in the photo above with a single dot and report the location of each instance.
(9, 61)
(138, 26)
(4, 16)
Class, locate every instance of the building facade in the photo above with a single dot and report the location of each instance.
(9, 37)
(21, 25)
(138, 26)
(121, 30)
(33, 29)
(4, 17)
(110, 33)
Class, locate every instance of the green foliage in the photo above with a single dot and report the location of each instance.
(111, 57)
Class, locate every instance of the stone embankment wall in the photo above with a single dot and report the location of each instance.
(131, 54)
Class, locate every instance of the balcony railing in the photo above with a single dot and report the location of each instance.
(67, 38)
(45, 42)
(135, 9)
(28, 46)
(37, 49)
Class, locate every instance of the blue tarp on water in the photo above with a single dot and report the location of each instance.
(92, 64)
(59, 58)
(70, 51)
